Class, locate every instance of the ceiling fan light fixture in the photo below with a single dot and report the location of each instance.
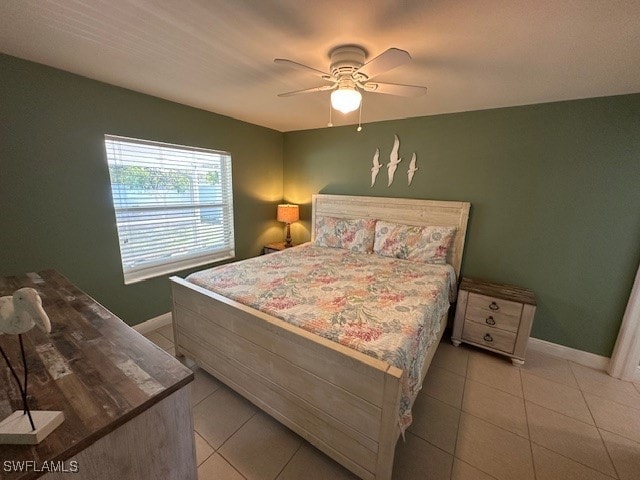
(346, 99)
(351, 74)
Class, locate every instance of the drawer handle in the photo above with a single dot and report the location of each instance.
(494, 306)
(488, 338)
(490, 321)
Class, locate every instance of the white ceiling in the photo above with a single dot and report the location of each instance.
(218, 54)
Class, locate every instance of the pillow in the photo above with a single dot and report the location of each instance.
(421, 244)
(355, 235)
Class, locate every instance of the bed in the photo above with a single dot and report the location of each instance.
(345, 402)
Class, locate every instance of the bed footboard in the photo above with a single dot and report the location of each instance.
(340, 400)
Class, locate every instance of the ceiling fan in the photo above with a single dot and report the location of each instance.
(350, 75)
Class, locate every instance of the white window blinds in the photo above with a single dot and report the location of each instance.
(173, 205)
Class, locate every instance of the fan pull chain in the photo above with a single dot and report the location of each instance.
(329, 124)
(359, 129)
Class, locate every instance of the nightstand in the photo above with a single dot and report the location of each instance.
(274, 247)
(494, 316)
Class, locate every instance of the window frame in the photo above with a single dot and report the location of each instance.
(160, 267)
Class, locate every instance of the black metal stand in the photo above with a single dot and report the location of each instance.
(23, 391)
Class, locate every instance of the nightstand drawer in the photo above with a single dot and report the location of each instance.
(493, 312)
(493, 304)
(489, 336)
(484, 305)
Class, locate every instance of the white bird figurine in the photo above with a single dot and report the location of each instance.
(19, 314)
(376, 167)
(412, 168)
(22, 311)
(393, 160)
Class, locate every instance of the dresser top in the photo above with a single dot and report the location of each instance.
(498, 290)
(92, 366)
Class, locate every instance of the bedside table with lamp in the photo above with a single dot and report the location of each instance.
(288, 214)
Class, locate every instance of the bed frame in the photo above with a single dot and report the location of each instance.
(342, 401)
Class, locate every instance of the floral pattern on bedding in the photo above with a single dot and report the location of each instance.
(428, 244)
(356, 234)
(387, 308)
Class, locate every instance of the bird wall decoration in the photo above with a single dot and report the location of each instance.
(394, 160)
(392, 166)
(376, 166)
(412, 168)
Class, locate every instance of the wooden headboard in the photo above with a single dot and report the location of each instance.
(399, 210)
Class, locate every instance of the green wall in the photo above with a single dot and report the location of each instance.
(554, 188)
(55, 203)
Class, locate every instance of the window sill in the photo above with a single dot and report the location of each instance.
(149, 272)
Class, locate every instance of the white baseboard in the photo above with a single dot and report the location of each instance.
(578, 356)
(153, 323)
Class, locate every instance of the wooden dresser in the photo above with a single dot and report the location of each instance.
(126, 402)
(494, 316)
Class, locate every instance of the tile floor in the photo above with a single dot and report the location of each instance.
(477, 417)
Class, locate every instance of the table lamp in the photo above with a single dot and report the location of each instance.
(288, 214)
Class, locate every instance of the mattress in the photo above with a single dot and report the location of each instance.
(385, 307)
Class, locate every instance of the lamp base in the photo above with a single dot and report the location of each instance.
(16, 430)
(287, 240)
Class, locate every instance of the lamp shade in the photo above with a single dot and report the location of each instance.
(288, 213)
(346, 99)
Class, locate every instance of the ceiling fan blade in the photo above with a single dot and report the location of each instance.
(395, 89)
(391, 58)
(322, 88)
(305, 68)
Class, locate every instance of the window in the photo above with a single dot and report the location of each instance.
(173, 205)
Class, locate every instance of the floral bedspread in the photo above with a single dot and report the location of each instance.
(385, 307)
